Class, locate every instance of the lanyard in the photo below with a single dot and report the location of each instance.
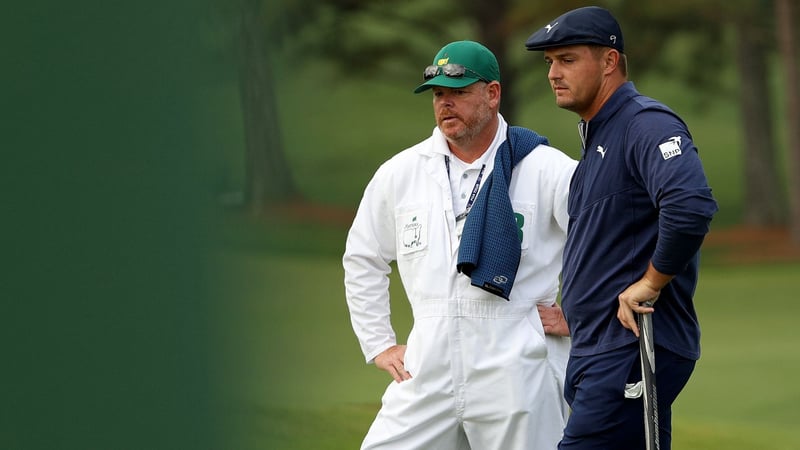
(475, 188)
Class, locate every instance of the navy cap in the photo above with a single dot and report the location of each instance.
(588, 25)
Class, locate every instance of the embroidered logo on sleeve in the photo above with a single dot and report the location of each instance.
(671, 148)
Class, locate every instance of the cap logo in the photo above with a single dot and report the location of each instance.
(613, 38)
(442, 61)
(550, 27)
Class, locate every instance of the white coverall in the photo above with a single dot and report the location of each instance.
(485, 376)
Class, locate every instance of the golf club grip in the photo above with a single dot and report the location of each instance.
(647, 356)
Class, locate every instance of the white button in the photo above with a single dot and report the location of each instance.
(463, 195)
(464, 176)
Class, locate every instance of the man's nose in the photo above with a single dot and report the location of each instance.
(553, 73)
(444, 100)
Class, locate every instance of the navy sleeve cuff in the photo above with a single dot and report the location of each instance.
(675, 250)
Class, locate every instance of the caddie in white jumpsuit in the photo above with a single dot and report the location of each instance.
(483, 374)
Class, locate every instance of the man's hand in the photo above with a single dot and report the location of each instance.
(630, 302)
(391, 360)
(553, 320)
(646, 289)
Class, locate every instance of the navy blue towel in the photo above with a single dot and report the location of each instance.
(490, 244)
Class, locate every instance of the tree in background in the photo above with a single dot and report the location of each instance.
(764, 198)
(788, 21)
(764, 202)
(267, 175)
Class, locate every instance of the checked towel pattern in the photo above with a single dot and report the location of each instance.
(490, 244)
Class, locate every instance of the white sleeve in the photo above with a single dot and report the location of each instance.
(369, 249)
(563, 170)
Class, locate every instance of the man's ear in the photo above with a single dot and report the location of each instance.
(611, 60)
(495, 90)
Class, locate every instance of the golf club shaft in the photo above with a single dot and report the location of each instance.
(649, 396)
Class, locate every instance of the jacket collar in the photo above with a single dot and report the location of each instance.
(621, 96)
(614, 103)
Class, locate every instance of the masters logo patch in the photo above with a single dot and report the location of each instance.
(412, 234)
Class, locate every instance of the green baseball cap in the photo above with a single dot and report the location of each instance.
(459, 64)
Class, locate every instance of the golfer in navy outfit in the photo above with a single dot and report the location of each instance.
(639, 209)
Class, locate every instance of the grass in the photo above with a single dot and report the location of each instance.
(297, 380)
(743, 389)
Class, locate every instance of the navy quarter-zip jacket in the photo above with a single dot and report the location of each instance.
(639, 194)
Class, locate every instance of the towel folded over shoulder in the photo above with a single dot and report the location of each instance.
(491, 241)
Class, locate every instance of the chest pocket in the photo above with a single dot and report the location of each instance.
(413, 231)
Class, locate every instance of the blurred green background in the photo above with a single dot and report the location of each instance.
(107, 222)
(150, 300)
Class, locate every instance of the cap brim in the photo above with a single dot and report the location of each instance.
(445, 81)
(544, 45)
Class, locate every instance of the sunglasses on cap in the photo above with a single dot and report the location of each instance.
(451, 71)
